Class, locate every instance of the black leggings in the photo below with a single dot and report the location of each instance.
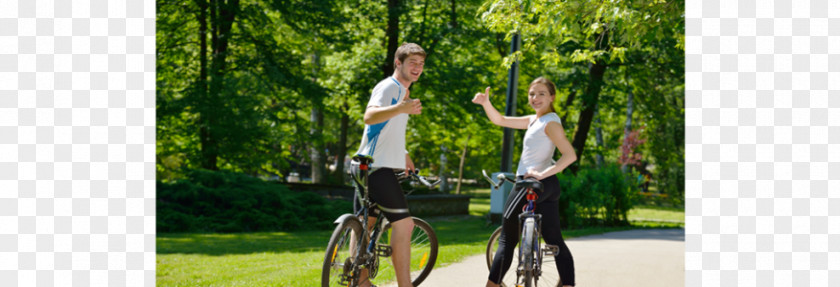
(548, 206)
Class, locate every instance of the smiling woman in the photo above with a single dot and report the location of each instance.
(544, 134)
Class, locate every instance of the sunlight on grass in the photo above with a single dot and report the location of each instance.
(650, 213)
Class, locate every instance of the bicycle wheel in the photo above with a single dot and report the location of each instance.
(526, 252)
(339, 268)
(424, 249)
(549, 276)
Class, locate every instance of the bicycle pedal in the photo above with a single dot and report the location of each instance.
(383, 251)
(551, 250)
(344, 280)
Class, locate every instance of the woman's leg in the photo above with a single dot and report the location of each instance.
(507, 241)
(552, 234)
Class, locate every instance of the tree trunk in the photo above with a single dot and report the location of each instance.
(453, 22)
(569, 100)
(222, 16)
(201, 93)
(599, 139)
(316, 119)
(596, 81)
(444, 181)
(628, 124)
(341, 151)
(590, 99)
(461, 165)
(316, 151)
(392, 32)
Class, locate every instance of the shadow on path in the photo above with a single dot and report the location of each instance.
(640, 234)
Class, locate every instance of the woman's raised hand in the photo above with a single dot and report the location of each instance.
(481, 98)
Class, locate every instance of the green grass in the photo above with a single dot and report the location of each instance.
(653, 214)
(295, 258)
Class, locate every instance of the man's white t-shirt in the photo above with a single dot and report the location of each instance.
(385, 141)
(537, 147)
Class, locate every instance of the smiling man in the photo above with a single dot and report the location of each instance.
(386, 117)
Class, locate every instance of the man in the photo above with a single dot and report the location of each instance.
(385, 119)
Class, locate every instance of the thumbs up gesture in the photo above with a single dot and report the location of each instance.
(409, 105)
(482, 98)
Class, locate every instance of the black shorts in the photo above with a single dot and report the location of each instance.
(386, 192)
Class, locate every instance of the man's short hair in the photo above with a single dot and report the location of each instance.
(408, 49)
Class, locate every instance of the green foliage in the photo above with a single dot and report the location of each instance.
(597, 197)
(288, 57)
(221, 201)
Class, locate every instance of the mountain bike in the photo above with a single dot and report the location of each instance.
(533, 269)
(345, 264)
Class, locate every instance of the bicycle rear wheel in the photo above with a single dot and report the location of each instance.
(527, 253)
(424, 250)
(339, 268)
(549, 276)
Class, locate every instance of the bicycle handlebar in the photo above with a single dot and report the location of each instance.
(502, 178)
(414, 174)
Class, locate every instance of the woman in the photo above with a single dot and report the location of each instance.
(545, 132)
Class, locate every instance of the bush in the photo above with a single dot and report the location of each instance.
(219, 201)
(597, 197)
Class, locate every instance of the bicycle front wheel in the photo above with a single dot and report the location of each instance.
(424, 250)
(548, 277)
(339, 267)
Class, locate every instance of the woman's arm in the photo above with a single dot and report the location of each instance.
(498, 119)
(567, 153)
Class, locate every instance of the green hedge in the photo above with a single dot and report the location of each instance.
(219, 201)
(597, 197)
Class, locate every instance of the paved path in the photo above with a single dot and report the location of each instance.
(651, 257)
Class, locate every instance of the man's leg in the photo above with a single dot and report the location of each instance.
(401, 249)
(386, 191)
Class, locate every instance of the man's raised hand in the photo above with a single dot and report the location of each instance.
(411, 106)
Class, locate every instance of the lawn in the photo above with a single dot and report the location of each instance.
(295, 258)
(284, 258)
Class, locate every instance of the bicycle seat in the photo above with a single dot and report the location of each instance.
(363, 159)
(531, 183)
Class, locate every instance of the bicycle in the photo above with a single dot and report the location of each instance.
(343, 262)
(529, 271)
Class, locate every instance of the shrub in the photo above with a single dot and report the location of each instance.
(597, 196)
(220, 201)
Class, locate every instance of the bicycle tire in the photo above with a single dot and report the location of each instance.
(526, 251)
(424, 250)
(549, 276)
(492, 245)
(339, 253)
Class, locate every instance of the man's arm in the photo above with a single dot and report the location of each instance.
(377, 114)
